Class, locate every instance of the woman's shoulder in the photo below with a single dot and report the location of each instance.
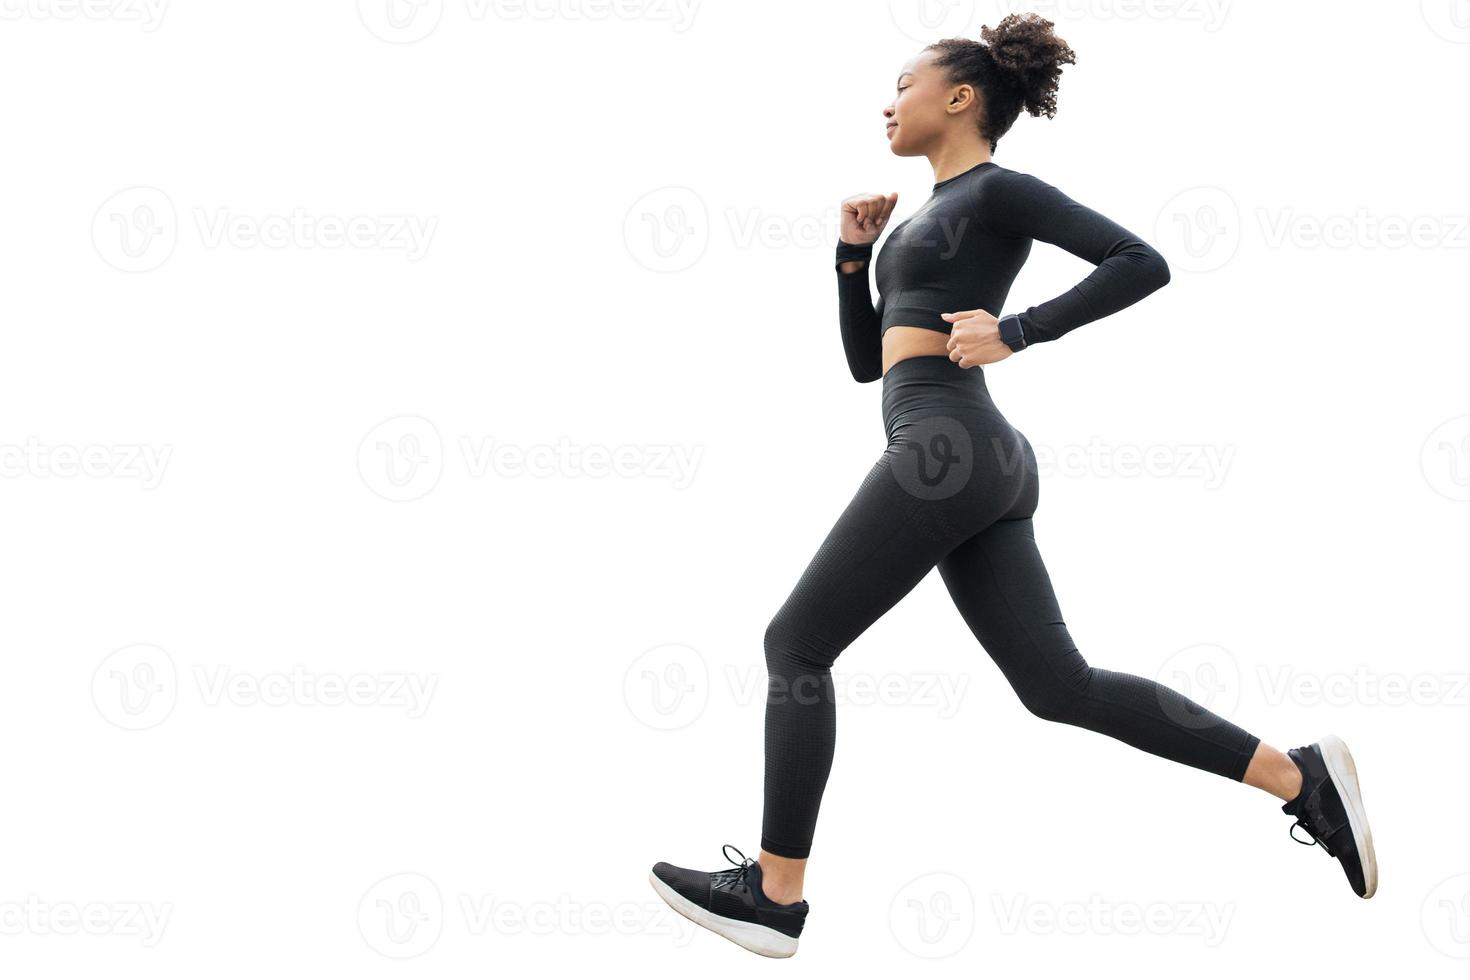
(998, 180)
(1001, 192)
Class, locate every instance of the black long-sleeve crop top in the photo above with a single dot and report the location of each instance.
(962, 250)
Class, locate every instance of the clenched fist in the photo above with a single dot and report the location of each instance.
(974, 338)
(864, 215)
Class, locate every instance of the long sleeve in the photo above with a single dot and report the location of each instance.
(859, 319)
(1019, 205)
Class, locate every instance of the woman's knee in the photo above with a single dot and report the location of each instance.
(791, 645)
(1053, 696)
(798, 667)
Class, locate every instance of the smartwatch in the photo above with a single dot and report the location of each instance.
(1011, 332)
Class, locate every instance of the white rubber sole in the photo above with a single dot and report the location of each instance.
(1344, 773)
(754, 937)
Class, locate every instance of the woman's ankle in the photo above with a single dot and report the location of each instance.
(1275, 772)
(781, 877)
(780, 895)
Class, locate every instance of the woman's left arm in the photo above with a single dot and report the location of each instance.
(1018, 205)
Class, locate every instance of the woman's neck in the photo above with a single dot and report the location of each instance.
(950, 161)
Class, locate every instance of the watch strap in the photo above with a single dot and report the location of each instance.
(1012, 331)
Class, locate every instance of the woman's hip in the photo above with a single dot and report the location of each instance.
(947, 440)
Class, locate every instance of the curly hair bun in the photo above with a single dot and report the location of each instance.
(1029, 54)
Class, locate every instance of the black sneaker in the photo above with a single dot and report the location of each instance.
(1330, 808)
(731, 903)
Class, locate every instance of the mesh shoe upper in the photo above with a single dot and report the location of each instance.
(734, 893)
(1320, 811)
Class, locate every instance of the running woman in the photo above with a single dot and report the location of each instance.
(957, 485)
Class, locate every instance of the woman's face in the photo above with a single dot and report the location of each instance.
(925, 106)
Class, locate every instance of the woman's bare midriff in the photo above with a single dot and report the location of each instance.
(903, 342)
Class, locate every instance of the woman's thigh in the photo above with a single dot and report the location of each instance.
(944, 475)
(1001, 587)
(880, 547)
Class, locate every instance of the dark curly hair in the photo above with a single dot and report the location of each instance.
(1016, 64)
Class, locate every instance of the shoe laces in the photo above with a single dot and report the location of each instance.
(1308, 828)
(728, 876)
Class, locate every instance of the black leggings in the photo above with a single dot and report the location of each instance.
(956, 487)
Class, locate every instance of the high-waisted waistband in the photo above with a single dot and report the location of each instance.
(934, 381)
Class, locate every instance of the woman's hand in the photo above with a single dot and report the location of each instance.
(863, 217)
(974, 338)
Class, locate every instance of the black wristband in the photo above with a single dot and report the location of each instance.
(848, 252)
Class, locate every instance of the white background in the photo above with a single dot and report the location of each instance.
(250, 466)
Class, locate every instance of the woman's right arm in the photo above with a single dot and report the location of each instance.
(859, 320)
(863, 219)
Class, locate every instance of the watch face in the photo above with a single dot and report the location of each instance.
(1012, 333)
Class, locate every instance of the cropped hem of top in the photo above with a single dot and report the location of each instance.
(962, 249)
